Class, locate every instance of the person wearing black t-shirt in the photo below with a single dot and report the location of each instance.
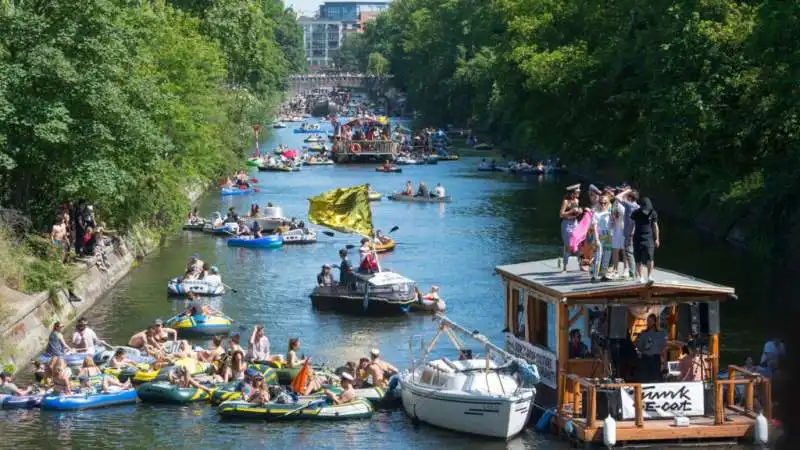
(646, 238)
(345, 268)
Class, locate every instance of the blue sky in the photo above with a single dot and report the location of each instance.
(307, 6)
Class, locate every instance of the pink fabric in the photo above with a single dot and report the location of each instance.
(579, 233)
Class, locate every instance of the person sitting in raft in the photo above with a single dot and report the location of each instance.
(119, 360)
(231, 217)
(213, 275)
(347, 394)
(236, 367)
(380, 370)
(381, 238)
(362, 373)
(243, 229)
(217, 222)
(292, 360)
(228, 183)
(180, 377)
(8, 387)
(60, 375)
(194, 216)
(408, 189)
(422, 191)
(324, 277)
(88, 368)
(84, 338)
(387, 166)
(577, 349)
(234, 345)
(255, 229)
(215, 353)
(162, 334)
(56, 345)
(439, 191)
(433, 297)
(258, 347)
(194, 268)
(254, 211)
(259, 395)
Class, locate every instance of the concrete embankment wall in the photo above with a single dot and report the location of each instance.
(27, 320)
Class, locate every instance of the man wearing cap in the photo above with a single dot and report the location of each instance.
(348, 393)
(7, 385)
(379, 369)
(84, 338)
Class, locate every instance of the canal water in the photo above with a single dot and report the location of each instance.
(494, 219)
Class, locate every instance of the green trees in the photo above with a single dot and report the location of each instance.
(126, 103)
(377, 64)
(668, 92)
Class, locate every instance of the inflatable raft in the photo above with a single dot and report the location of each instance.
(398, 197)
(88, 401)
(180, 287)
(20, 402)
(131, 354)
(269, 241)
(318, 162)
(383, 247)
(235, 191)
(278, 169)
(299, 236)
(200, 325)
(161, 374)
(306, 409)
(389, 170)
(194, 225)
(164, 392)
(72, 359)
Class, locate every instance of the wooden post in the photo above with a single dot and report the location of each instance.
(766, 386)
(562, 387)
(748, 395)
(731, 376)
(637, 404)
(561, 339)
(591, 407)
(714, 349)
(576, 398)
(719, 408)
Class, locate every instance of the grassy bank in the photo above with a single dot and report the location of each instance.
(32, 265)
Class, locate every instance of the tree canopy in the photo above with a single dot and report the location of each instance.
(126, 104)
(700, 95)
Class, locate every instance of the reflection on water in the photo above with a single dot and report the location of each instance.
(494, 219)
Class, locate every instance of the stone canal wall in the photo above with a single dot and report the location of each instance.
(26, 320)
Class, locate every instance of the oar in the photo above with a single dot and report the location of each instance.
(314, 403)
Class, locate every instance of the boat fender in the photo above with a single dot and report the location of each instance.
(761, 430)
(543, 424)
(609, 431)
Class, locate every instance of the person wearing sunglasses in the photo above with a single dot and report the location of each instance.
(84, 338)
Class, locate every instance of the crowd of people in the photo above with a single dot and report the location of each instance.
(622, 229)
(75, 226)
(423, 191)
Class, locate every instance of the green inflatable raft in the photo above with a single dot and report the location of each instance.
(305, 409)
(164, 392)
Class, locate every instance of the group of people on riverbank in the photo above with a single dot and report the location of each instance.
(616, 227)
(76, 226)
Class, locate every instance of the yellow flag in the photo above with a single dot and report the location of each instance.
(344, 209)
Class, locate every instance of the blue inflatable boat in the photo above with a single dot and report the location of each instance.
(88, 401)
(235, 191)
(271, 241)
(72, 359)
(20, 402)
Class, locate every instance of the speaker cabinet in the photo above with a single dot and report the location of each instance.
(618, 322)
(709, 317)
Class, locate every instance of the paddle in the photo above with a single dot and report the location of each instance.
(314, 403)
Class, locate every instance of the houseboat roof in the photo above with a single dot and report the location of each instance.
(548, 283)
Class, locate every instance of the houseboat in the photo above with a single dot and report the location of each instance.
(586, 338)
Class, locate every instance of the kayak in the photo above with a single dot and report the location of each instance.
(88, 401)
(269, 241)
(384, 247)
(235, 191)
(411, 198)
(164, 392)
(299, 236)
(305, 409)
(390, 170)
(375, 196)
(180, 287)
(200, 325)
(20, 402)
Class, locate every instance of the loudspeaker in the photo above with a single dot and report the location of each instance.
(709, 317)
(617, 322)
(684, 322)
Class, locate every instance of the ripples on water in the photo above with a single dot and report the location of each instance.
(494, 219)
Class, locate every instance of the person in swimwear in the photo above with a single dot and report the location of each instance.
(119, 361)
(181, 378)
(380, 370)
(408, 189)
(347, 394)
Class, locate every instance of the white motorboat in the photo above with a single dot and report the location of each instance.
(272, 217)
(299, 236)
(477, 396)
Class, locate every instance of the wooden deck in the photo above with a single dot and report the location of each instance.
(701, 428)
(575, 285)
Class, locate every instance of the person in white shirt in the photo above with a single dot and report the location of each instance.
(84, 338)
(213, 275)
(258, 347)
(438, 191)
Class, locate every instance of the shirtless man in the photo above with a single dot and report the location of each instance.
(144, 340)
(58, 234)
(379, 369)
(162, 334)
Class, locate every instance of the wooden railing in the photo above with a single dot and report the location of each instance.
(573, 387)
(365, 147)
